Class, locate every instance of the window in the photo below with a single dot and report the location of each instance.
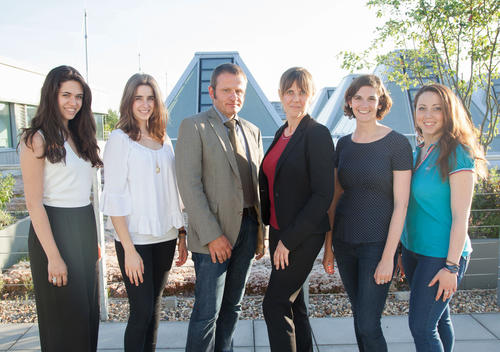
(99, 121)
(206, 68)
(30, 113)
(5, 130)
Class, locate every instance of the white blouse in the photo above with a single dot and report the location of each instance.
(140, 183)
(67, 184)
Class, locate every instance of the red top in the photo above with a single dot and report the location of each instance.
(269, 167)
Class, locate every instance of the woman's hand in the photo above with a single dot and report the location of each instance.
(134, 267)
(281, 256)
(447, 284)
(328, 258)
(383, 273)
(182, 249)
(57, 270)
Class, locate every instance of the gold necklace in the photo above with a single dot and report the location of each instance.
(157, 166)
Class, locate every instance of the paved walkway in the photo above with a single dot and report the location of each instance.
(474, 332)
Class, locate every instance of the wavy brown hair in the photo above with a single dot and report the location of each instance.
(49, 120)
(384, 99)
(457, 130)
(157, 122)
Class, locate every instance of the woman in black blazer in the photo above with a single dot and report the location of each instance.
(296, 189)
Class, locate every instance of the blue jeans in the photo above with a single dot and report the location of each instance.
(218, 293)
(429, 320)
(357, 264)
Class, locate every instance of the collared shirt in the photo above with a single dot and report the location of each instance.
(428, 219)
(239, 131)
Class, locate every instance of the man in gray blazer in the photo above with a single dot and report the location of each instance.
(217, 160)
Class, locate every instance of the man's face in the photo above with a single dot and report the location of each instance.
(229, 94)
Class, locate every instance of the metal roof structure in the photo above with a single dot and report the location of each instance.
(333, 111)
(190, 95)
(400, 118)
(320, 100)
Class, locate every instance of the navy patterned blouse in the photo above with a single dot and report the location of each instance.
(365, 172)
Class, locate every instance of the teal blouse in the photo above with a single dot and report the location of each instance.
(428, 219)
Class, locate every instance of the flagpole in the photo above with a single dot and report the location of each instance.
(86, 51)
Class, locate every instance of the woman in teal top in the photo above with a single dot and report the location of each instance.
(436, 247)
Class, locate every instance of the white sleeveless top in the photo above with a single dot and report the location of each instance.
(67, 184)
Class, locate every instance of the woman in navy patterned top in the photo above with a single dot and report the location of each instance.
(372, 184)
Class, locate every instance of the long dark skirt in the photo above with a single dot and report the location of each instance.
(68, 316)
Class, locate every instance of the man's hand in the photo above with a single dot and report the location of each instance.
(220, 249)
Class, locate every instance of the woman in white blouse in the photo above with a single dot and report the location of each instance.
(141, 197)
(58, 154)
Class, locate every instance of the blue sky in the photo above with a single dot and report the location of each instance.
(270, 36)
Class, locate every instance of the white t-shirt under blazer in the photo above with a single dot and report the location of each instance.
(140, 183)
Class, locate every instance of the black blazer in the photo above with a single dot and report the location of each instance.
(303, 183)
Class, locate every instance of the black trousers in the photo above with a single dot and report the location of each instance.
(284, 307)
(68, 316)
(145, 299)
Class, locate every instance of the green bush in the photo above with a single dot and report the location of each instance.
(7, 183)
(6, 192)
(486, 208)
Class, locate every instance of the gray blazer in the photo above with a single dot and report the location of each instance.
(209, 180)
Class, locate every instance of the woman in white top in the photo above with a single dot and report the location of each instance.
(141, 197)
(58, 153)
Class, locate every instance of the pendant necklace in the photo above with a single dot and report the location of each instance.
(157, 166)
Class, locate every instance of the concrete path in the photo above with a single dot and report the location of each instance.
(474, 332)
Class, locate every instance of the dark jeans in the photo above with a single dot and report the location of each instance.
(429, 320)
(218, 293)
(145, 299)
(357, 264)
(284, 308)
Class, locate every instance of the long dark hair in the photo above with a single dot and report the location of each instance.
(157, 122)
(457, 129)
(49, 120)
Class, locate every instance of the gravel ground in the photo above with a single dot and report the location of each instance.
(321, 305)
(327, 294)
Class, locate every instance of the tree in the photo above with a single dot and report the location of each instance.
(110, 121)
(455, 41)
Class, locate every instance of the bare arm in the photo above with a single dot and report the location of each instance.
(328, 255)
(401, 190)
(461, 188)
(32, 168)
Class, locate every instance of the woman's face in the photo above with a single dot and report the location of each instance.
(429, 115)
(144, 103)
(365, 104)
(70, 99)
(295, 101)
